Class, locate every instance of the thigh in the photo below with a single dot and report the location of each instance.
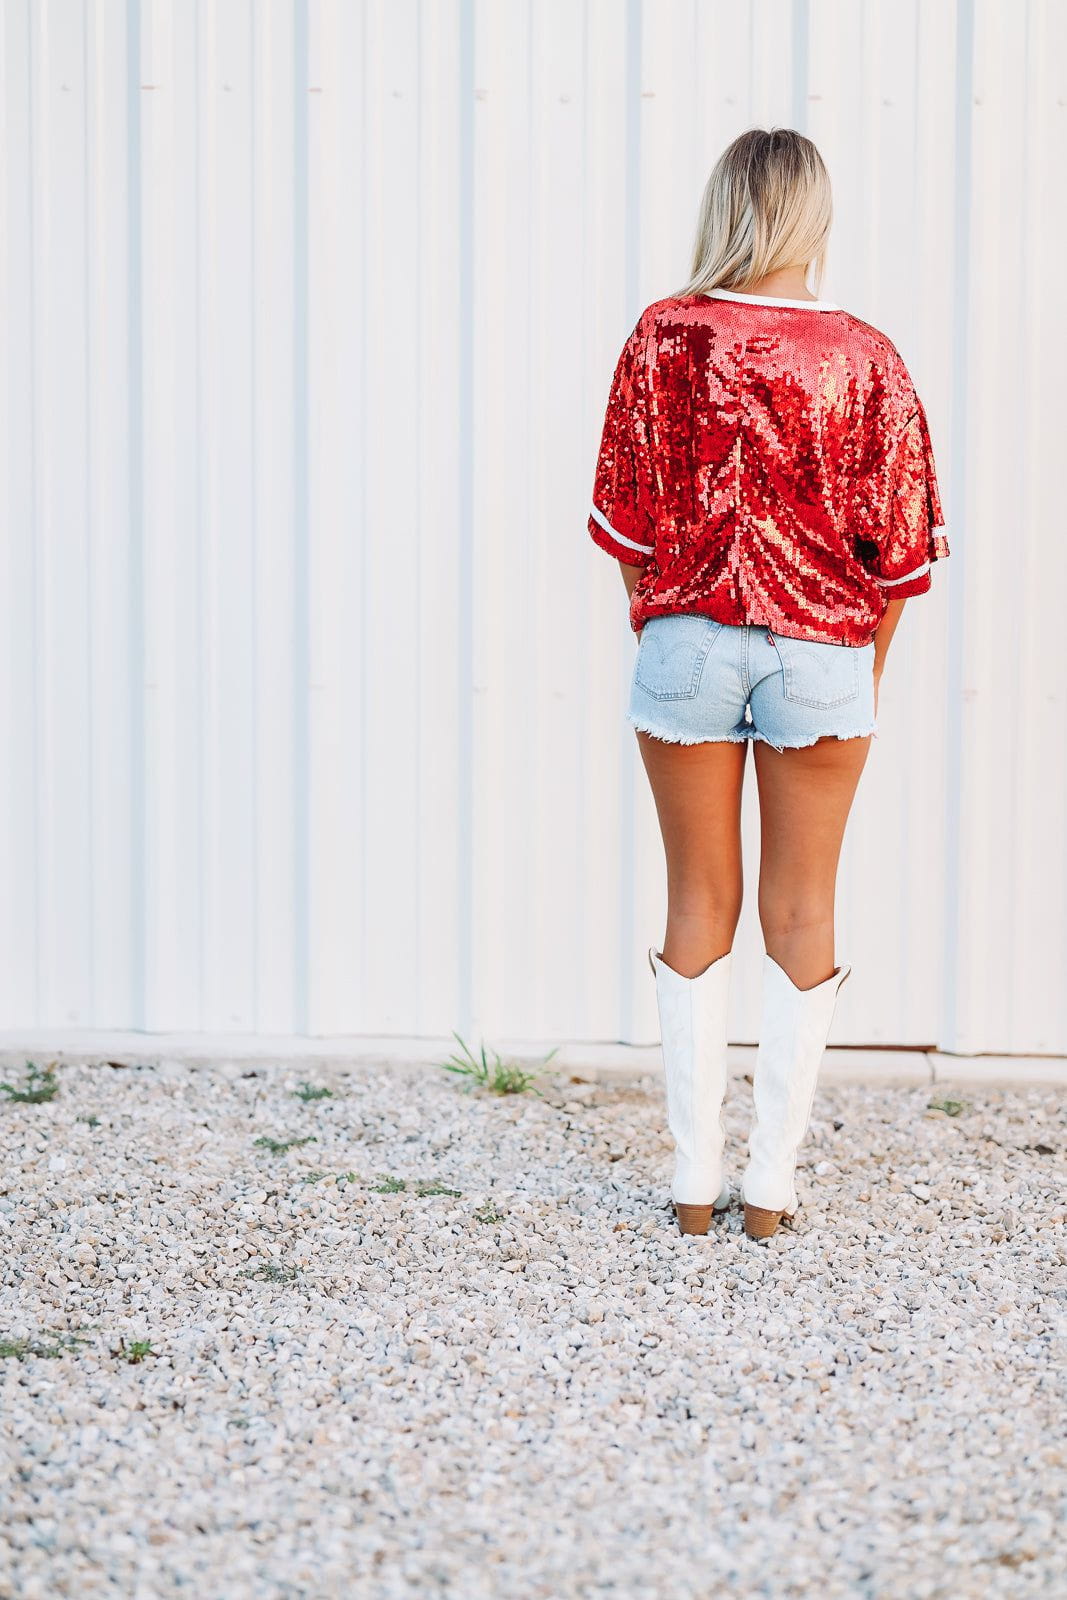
(805, 796)
(697, 791)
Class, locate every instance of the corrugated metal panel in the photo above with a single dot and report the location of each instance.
(313, 688)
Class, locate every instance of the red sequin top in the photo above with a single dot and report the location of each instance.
(768, 461)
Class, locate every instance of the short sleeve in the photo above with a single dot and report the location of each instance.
(898, 509)
(622, 517)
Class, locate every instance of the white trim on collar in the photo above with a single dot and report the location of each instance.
(773, 300)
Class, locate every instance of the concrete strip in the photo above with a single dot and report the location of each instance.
(608, 1062)
(1005, 1071)
(845, 1064)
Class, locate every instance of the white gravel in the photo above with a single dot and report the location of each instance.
(537, 1387)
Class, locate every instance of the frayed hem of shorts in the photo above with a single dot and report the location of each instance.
(643, 726)
(803, 744)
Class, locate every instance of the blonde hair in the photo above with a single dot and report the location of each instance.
(766, 205)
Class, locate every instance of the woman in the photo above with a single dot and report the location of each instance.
(766, 482)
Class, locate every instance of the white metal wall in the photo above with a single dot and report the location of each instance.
(312, 683)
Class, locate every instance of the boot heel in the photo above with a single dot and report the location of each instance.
(760, 1224)
(693, 1219)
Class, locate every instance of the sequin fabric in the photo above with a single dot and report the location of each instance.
(766, 463)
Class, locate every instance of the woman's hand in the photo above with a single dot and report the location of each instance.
(883, 634)
(630, 576)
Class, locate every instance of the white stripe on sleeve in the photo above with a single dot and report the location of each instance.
(599, 516)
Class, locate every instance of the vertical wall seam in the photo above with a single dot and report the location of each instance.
(576, 998)
(909, 961)
(632, 268)
(33, 226)
(253, 506)
(138, 880)
(801, 30)
(1025, 245)
(90, 478)
(954, 708)
(532, 863)
(365, 573)
(201, 539)
(465, 575)
(301, 577)
(416, 988)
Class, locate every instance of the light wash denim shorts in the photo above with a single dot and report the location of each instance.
(695, 679)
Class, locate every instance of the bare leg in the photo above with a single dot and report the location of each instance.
(697, 790)
(805, 796)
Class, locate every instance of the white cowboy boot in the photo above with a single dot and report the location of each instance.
(692, 1016)
(794, 1027)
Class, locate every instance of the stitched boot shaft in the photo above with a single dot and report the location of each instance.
(692, 1016)
(794, 1027)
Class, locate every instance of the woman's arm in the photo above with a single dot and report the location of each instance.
(630, 575)
(882, 635)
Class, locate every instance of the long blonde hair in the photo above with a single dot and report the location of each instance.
(766, 205)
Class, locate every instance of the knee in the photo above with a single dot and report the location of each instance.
(714, 911)
(787, 918)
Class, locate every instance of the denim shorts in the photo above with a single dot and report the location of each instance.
(695, 679)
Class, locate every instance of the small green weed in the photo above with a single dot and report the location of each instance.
(951, 1108)
(423, 1187)
(495, 1074)
(339, 1179)
(39, 1086)
(313, 1091)
(136, 1350)
(489, 1214)
(90, 1121)
(270, 1272)
(278, 1147)
(50, 1343)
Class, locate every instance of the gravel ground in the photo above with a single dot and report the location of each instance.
(535, 1386)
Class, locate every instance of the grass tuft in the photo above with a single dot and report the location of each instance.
(270, 1272)
(278, 1147)
(313, 1091)
(49, 1344)
(951, 1108)
(136, 1350)
(39, 1086)
(490, 1071)
(423, 1187)
(320, 1175)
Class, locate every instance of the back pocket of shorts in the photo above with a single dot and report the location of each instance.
(671, 655)
(815, 673)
